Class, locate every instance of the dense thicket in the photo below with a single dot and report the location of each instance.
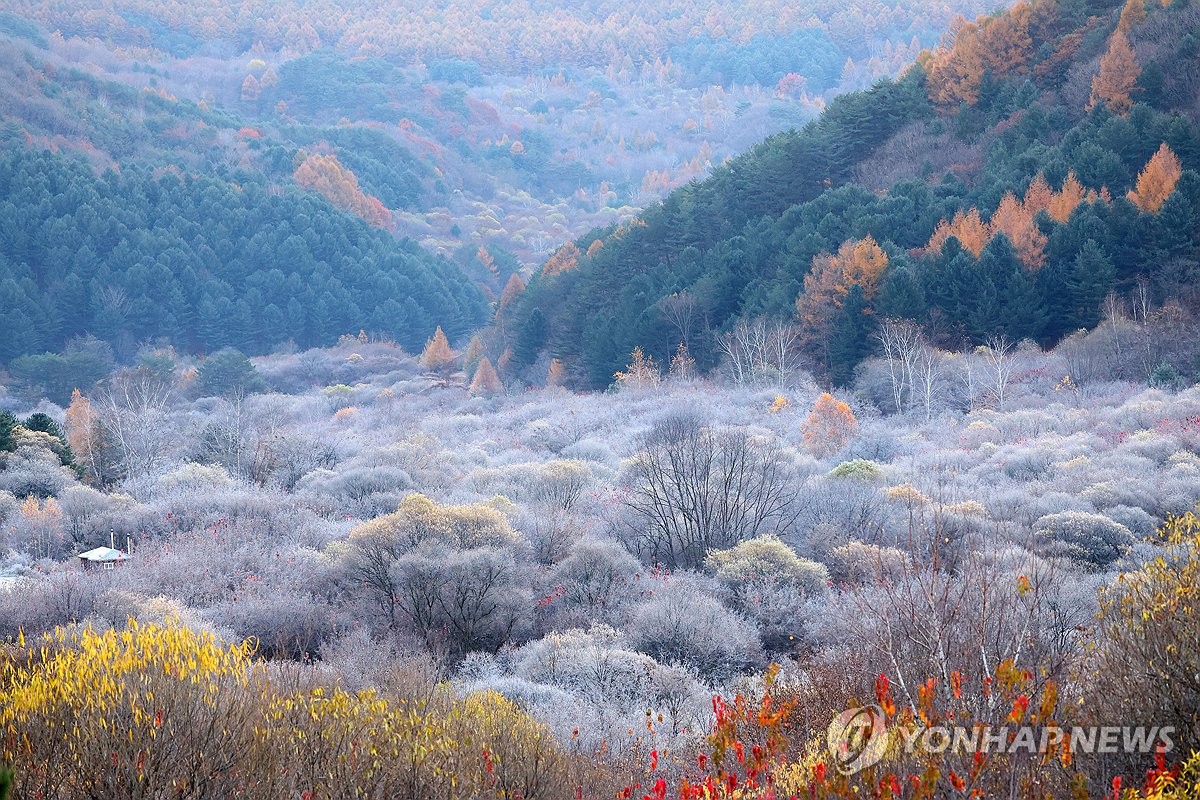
(204, 264)
(955, 134)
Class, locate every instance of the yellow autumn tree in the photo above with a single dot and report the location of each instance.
(473, 353)
(1066, 199)
(556, 375)
(118, 713)
(1133, 13)
(857, 263)
(1118, 75)
(486, 381)
(84, 434)
(437, 355)
(968, 227)
(565, 259)
(829, 426)
(1015, 221)
(641, 372)
(339, 185)
(512, 290)
(1157, 180)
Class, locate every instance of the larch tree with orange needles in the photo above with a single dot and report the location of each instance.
(856, 263)
(486, 381)
(1157, 180)
(512, 290)
(1066, 199)
(969, 228)
(829, 426)
(1118, 75)
(1015, 221)
(437, 355)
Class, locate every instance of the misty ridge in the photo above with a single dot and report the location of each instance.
(522, 401)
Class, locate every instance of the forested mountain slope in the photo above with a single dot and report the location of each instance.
(202, 263)
(1006, 184)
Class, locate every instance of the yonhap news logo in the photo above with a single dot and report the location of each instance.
(860, 737)
(857, 738)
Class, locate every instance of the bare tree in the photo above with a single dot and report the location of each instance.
(693, 488)
(761, 351)
(681, 310)
(133, 406)
(927, 378)
(901, 339)
(999, 354)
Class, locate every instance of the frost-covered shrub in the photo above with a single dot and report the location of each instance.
(363, 491)
(1137, 520)
(34, 471)
(89, 515)
(1024, 463)
(463, 600)
(194, 477)
(557, 484)
(840, 510)
(857, 562)
(39, 603)
(589, 684)
(593, 450)
(876, 442)
(8, 505)
(596, 581)
(1059, 502)
(681, 625)
(1090, 538)
(286, 623)
(1156, 447)
(771, 586)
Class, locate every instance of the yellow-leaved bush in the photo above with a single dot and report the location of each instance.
(85, 713)
(163, 711)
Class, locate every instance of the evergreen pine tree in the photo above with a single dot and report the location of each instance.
(1091, 278)
(850, 340)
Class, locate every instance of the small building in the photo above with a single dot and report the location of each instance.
(103, 557)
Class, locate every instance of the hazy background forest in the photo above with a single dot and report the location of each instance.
(531, 402)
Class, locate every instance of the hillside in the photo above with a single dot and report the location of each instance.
(1019, 173)
(513, 126)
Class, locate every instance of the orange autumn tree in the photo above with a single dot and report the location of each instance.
(856, 263)
(512, 290)
(1000, 44)
(829, 426)
(437, 355)
(565, 259)
(1157, 180)
(1015, 220)
(84, 434)
(1118, 74)
(1067, 199)
(337, 184)
(557, 374)
(969, 228)
(486, 381)
(1039, 195)
(1134, 13)
(955, 72)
